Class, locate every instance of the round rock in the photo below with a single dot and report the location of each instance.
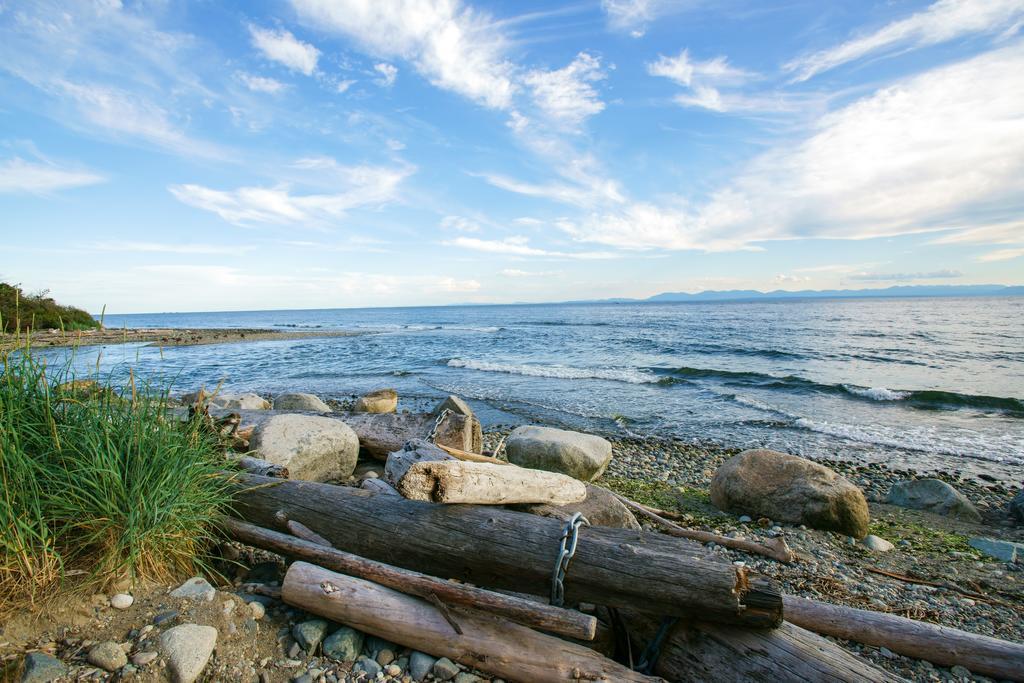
(188, 648)
(311, 447)
(121, 601)
(108, 656)
(298, 401)
(379, 401)
(583, 456)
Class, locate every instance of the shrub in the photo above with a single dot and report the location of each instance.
(98, 481)
(23, 312)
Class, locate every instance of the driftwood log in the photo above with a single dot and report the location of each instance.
(381, 434)
(262, 467)
(569, 623)
(942, 645)
(457, 481)
(500, 549)
(378, 486)
(702, 652)
(488, 643)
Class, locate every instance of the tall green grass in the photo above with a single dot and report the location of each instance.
(98, 483)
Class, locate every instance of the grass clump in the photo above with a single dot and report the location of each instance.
(97, 483)
(20, 312)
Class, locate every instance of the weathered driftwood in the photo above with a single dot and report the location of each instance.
(775, 548)
(457, 481)
(488, 643)
(702, 652)
(412, 452)
(382, 434)
(497, 548)
(569, 623)
(378, 486)
(940, 645)
(262, 467)
(471, 457)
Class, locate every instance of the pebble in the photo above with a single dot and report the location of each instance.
(42, 668)
(188, 648)
(746, 519)
(108, 656)
(876, 544)
(393, 670)
(366, 664)
(143, 658)
(310, 634)
(344, 645)
(466, 677)
(445, 669)
(163, 617)
(257, 610)
(121, 601)
(196, 588)
(385, 657)
(420, 665)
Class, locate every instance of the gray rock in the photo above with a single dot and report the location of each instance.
(373, 645)
(445, 669)
(877, 544)
(309, 634)
(196, 588)
(1005, 551)
(42, 668)
(257, 610)
(933, 495)
(458, 406)
(232, 401)
(311, 447)
(1017, 507)
(379, 401)
(385, 656)
(344, 645)
(420, 665)
(298, 401)
(163, 617)
(583, 456)
(960, 672)
(416, 450)
(600, 508)
(788, 488)
(121, 601)
(144, 658)
(108, 656)
(188, 648)
(369, 666)
(466, 677)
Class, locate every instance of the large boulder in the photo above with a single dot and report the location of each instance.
(933, 495)
(304, 402)
(311, 447)
(788, 488)
(1017, 507)
(583, 456)
(379, 401)
(600, 508)
(229, 401)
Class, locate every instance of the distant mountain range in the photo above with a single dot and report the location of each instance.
(895, 291)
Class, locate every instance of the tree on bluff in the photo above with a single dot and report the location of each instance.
(38, 311)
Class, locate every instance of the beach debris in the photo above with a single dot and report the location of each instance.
(311, 447)
(414, 451)
(382, 434)
(301, 402)
(601, 508)
(788, 488)
(579, 455)
(378, 486)
(456, 481)
(259, 466)
(377, 402)
(935, 496)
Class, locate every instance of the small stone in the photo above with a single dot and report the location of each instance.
(960, 672)
(445, 669)
(366, 664)
(304, 678)
(42, 668)
(196, 588)
(344, 645)
(373, 645)
(289, 663)
(393, 670)
(165, 617)
(108, 656)
(1006, 551)
(143, 658)
(295, 650)
(746, 519)
(121, 601)
(877, 544)
(188, 648)
(310, 634)
(385, 657)
(420, 665)
(466, 677)
(257, 610)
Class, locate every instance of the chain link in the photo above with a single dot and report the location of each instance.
(432, 436)
(566, 551)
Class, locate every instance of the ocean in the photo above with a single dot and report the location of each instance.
(923, 383)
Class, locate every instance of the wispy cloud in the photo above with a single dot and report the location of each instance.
(634, 15)
(460, 224)
(942, 21)
(453, 46)
(388, 74)
(887, 277)
(1001, 255)
(519, 246)
(42, 177)
(568, 95)
(1009, 232)
(263, 84)
(703, 81)
(284, 48)
(168, 248)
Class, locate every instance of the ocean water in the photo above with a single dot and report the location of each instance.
(923, 383)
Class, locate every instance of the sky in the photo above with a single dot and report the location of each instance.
(159, 155)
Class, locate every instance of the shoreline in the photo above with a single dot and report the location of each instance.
(163, 336)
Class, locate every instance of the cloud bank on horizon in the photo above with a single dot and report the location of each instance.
(319, 153)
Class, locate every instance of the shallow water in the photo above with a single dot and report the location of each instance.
(926, 383)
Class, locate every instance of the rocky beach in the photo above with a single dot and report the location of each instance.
(940, 548)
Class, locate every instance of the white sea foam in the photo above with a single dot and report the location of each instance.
(877, 393)
(630, 375)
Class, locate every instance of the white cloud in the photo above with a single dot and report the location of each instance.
(164, 248)
(567, 95)
(388, 74)
(519, 246)
(920, 155)
(1010, 232)
(942, 21)
(262, 84)
(634, 15)
(703, 82)
(342, 86)
(43, 177)
(1002, 255)
(886, 277)
(282, 47)
(791, 279)
(450, 284)
(451, 45)
(516, 272)
(362, 186)
(460, 223)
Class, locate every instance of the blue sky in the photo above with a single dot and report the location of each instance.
(159, 155)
